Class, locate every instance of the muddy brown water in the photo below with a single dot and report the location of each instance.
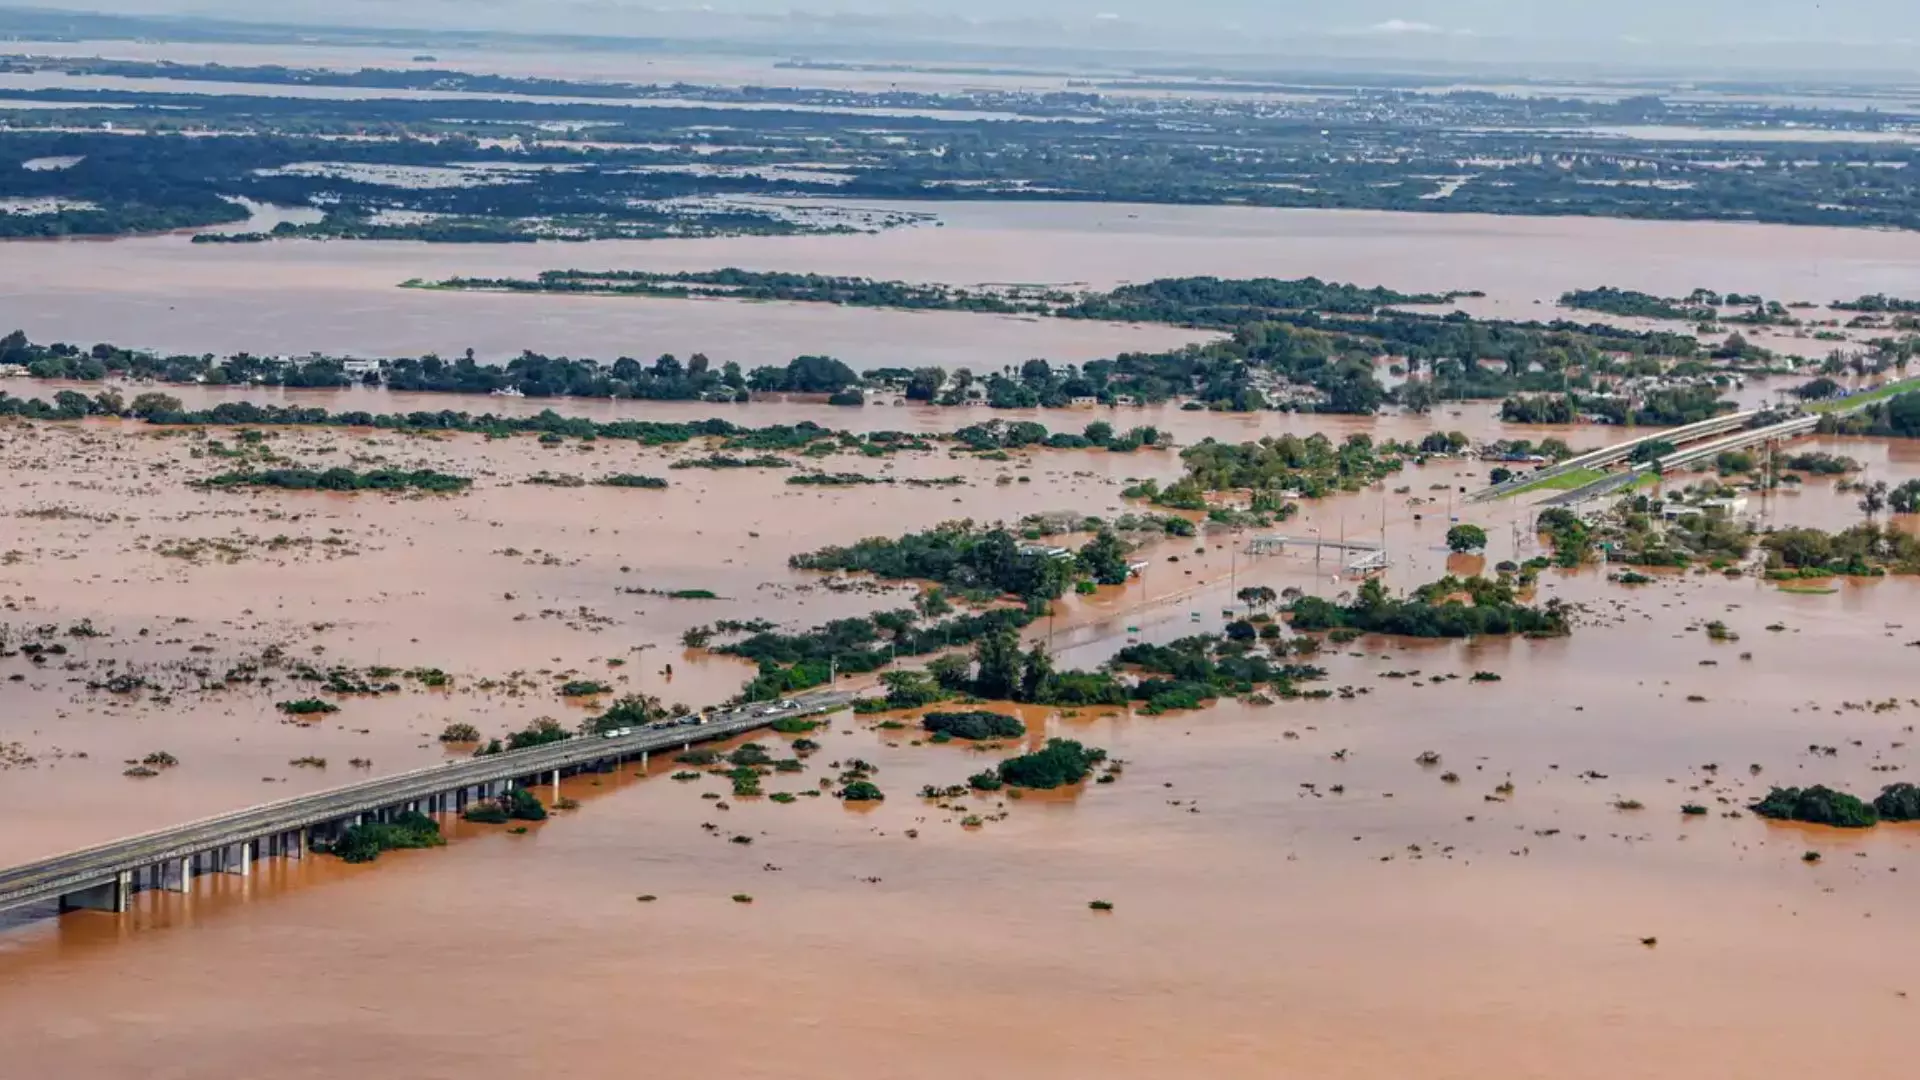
(294, 297)
(1261, 927)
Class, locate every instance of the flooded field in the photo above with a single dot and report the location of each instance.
(298, 296)
(1292, 892)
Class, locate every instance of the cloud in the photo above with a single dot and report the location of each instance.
(1403, 26)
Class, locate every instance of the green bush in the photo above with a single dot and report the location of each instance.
(524, 805)
(486, 812)
(343, 479)
(861, 791)
(1062, 762)
(1817, 805)
(628, 480)
(1898, 802)
(364, 842)
(307, 707)
(973, 725)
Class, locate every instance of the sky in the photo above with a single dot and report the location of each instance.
(1668, 31)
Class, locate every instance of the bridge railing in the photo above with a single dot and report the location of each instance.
(370, 787)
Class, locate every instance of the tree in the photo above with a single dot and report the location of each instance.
(998, 657)
(151, 404)
(1873, 498)
(71, 405)
(630, 711)
(1418, 397)
(1816, 389)
(1464, 538)
(1062, 762)
(953, 673)
(1256, 596)
(925, 383)
(1039, 668)
(818, 375)
(910, 689)
(1651, 452)
(1106, 559)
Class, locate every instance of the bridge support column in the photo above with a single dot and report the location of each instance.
(300, 841)
(643, 761)
(110, 896)
(237, 859)
(556, 785)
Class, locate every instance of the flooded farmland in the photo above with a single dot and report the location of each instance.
(1291, 890)
(294, 297)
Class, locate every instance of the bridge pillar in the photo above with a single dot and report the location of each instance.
(110, 896)
(556, 785)
(643, 761)
(237, 859)
(177, 875)
(300, 842)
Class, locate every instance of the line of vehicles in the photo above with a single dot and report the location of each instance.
(699, 719)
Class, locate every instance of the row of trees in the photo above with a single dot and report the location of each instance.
(1448, 608)
(987, 561)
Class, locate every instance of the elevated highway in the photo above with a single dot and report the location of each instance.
(105, 877)
(1687, 458)
(1618, 452)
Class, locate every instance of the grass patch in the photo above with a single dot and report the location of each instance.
(1898, 386)
(1567, 481)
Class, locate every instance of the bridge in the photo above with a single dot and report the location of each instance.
(105, 877)
(1616, 453)
(1687, 458)
(1722, 433)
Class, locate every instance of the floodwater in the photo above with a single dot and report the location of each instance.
(50, 80)
(611, 66)
(1402, 925)
(341, 297)
(884, 412)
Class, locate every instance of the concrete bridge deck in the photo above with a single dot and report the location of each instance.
(1687, 458)
(1617, 452)
(104, 877)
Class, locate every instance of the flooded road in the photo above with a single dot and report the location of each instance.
(1264, 923)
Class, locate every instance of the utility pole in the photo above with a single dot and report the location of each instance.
(1383, 527)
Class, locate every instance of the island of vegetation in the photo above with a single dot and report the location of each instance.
(1820, 805)
(1448, 608)
(343, 479)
